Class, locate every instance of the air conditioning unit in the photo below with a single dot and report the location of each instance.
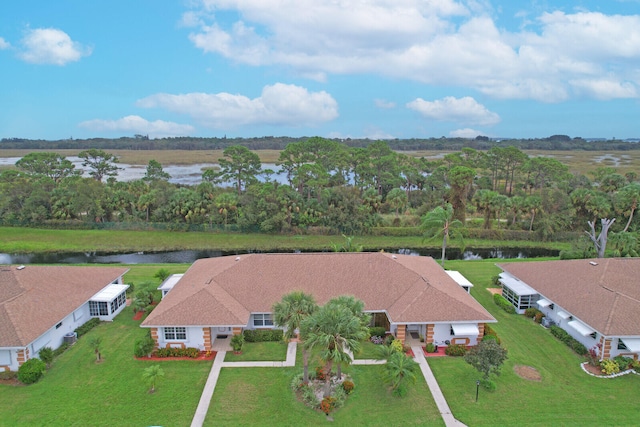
(547, 322)
(70, 338)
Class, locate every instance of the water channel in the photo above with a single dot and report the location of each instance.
(189, 256)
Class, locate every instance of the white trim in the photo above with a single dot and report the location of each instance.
(465, 329)
(633, 344)
(543, 303)
(581, 328)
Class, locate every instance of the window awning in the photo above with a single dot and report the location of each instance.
(581, 328)
(466, 329)
(563, 315)
(633, 344)
(543, 303)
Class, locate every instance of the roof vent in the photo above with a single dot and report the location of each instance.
(394, 257)
(593, 263)
(237, 258)
(20, 267)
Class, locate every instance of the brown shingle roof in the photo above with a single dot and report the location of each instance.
(606, 296)
(36, 298)
(225, 290)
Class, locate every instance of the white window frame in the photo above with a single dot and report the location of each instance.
(262, 320)
(173, 333)
(95, 308)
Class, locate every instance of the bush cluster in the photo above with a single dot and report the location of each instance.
(431, 348)
(63, 347)
(531, 312)
(490, 334)
(455, 350)
(609, 367)
(143, 346)
(46, 355)
(8, 375)
(624, 362)
(504, 304)
(89, 325)
(178, 352)
(348, 386)
(262, 335)
(571, 342)
(31, 371)
(377, 331)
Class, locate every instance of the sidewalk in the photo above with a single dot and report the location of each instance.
(438, 397)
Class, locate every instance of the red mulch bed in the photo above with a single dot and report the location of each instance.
(595, 370)
(202, 356)
(439, 353)
(410, 353)
(138, 315)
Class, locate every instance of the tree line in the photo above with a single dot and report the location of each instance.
(331, 187)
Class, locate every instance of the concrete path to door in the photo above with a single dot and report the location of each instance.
(441, 402)
(219, 363)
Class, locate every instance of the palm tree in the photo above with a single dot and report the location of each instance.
(151, 375)
(289, 314)
(356, 307)
(336, 330)
(440, 221)
(96, 344)
(399, 369)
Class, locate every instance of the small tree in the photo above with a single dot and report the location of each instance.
(487, 357)
(151, 375)
(237, 341)
(96, 344)
(399, 369)
(162, 274)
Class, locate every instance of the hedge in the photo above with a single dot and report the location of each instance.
(81, 330)
(261, 335)
(571, 342)
(504, 304)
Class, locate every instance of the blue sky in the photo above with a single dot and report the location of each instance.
(342, 68)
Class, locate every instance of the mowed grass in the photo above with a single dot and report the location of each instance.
(565, 395)
(34, 240)
(259, 351)
(77, 391)
(262, 396)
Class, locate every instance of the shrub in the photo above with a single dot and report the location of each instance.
(609, 367)
(489, 332)
(396, 345)
(262, 335)
(636, 366)
(31, 371)
(327, 404)
(320, 375)
(8, 375)
(348, 386)
(377, 340)
(455, 350)
(502, 302)
(490, 337)
(89, 325)
(489, 385)
(571, 342)
(531, 312)
(389, 339)
(431, 348)
(377, 331)
(63, 347)
(237, 341)
(538, 317)
(177, 352)
(143, 346)
(46, 355)
(623, 362)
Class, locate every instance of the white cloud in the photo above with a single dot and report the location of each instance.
(385, 105)
(4, 44)
(461, 110)
(51, 46)
(440, 42)
(136, 124)
(465, 133)
(279, 105)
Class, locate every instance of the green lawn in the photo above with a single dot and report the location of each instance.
(564, 396)
(262, 396)
(259, 351)
(368, 350)
(78, 392)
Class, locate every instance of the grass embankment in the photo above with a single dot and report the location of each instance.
(34, 240)
(565, 395)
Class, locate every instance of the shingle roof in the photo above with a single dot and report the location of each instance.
(36, 298)
(225, 290)
(606, 296)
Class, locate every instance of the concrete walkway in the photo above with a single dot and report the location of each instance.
(441, 402)
(207, 393)
(290, 361)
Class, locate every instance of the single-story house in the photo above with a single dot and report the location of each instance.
(43, 305)
(408, 295)
(597, 301)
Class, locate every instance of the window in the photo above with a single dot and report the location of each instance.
(262, 319)
(98, 308)
(58, 325)
(118, 302)
(622, 345)
(175, 333)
